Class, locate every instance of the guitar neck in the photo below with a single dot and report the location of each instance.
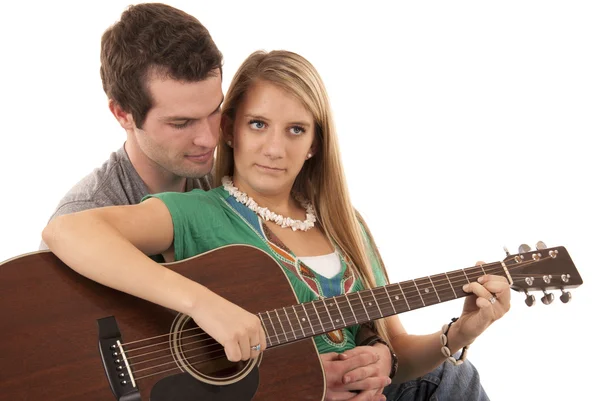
(297, 322)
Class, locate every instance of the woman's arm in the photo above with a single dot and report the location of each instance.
(109, 245)
(420, 354)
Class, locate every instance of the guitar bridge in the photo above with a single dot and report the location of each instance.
(115, 363)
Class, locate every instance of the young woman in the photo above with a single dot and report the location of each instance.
(283, 191)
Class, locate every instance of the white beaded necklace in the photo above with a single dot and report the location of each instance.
(268, 215)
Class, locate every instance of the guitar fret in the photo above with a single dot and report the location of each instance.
(434, 289)
(430, 297)
(383, 300)
(290, 323)
(351, 308)
(376, 303)
(267, 331)
(482, 269)
(467, 277)
(363, 305)
(319, 317)
(368, 297)
(275, 328)
(341, 314)
(299, 321)
(391, 303)
(328, 314)
(282, 327)
(451, 286)
(308, 318)
(419, 292)
(405, 300)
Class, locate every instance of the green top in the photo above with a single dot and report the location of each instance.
(206, 220)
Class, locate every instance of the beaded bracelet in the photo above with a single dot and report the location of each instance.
(446, 351)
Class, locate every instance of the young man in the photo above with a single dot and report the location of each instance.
(164, 87)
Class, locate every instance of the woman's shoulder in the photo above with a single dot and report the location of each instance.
(191, 199)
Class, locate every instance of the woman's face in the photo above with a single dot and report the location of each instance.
(273, 134)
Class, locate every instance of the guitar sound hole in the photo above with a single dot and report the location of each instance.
(202, 357)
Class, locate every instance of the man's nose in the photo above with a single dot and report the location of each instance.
(206, 134)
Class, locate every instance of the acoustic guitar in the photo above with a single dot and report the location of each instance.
(65, 337)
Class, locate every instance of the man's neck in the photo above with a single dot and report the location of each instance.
(156, 178)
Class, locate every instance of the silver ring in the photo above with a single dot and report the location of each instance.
(255, 347)
(492, 299)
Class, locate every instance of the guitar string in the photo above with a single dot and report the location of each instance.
(220, 352)
(408, 292)
(294, 331)
(443, 279)
(311, 316)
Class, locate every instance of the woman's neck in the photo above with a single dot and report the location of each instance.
(281, 203)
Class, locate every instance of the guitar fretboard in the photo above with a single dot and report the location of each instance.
(296, 322)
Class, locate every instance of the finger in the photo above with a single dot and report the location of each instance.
(349, 363)
(496, 285)
(361, 349)
(491, 277)
(333, 395)
(370, 383)
(370, 397)
(262, 339)
(477, 289)
(364, 396)
(330, 356)
(255, 341)
(245, 347)
(232, 351)
(484, 297)
(497, 288)
(359, 374)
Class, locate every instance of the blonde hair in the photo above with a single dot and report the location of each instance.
(321, 179)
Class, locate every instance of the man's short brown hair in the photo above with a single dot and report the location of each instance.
(158, 39)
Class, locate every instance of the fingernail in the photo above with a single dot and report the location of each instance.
(466, 287)
(480, 279)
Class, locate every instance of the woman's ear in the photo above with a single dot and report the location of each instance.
(313, 150)
(227, 130)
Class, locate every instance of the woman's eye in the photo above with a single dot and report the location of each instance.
(257, 124)
(297, 130)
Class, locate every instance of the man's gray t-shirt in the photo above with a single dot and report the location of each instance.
(116, 182)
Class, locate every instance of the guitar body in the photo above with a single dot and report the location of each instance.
(49, 327)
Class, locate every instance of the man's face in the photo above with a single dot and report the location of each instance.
(181, 129)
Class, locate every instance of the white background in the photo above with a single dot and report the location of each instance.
(464, 126)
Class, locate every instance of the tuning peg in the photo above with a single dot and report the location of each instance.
(524, 248)
(547, 298)
(540, 245)
(506, 251)
(530, 299)
(565, 297)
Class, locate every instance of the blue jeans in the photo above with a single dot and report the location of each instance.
(446, 383)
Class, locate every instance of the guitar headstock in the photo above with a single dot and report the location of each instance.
(543, 269)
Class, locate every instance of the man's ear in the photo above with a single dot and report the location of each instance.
(125, 119)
